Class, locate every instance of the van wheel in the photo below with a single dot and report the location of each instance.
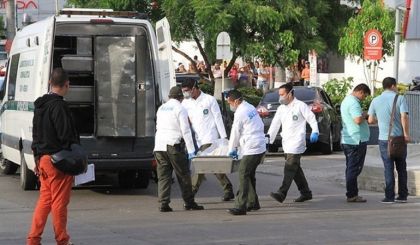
(273, 148)
(126, 178)
(28, 180)
(7, 167)
(143, 178)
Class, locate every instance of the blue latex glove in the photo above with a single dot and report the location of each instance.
(191, 155)
(234, 154)
(314, 137)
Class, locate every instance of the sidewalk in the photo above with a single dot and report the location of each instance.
(332, 167)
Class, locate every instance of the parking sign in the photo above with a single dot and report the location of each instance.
(373, 45)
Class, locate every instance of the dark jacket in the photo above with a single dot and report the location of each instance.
(53, 126)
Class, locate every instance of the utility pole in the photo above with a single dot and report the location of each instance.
(398, 14)
(11, 19)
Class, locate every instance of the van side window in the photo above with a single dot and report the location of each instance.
(14, 64)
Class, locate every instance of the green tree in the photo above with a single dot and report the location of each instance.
(372, 15)
(273, 30)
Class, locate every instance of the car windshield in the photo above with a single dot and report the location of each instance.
(303, 94)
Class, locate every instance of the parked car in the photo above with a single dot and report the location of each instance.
(181, 77)
(329, 122)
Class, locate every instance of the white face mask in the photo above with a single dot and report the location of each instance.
(187, 94)
(282, 100)
(232, 108)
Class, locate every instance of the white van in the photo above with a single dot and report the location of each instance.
(116, 84)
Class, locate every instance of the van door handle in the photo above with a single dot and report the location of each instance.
(141, 86)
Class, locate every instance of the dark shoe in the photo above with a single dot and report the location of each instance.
(303, 198)
(253, 208)
(228, 196)
(401, 200)
(193, 206)
(278, 196)
(356, 199)
(236, 211)
(165, 208)
(386, 200)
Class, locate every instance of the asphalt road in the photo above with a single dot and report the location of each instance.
(106, 215)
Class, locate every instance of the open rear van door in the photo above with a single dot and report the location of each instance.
(166, 66)
(46, 53)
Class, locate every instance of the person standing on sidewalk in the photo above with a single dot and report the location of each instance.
(292, 115)
(354, 137)
(248, 134)
(53, 130)
(380, 112)
(207, 123)
(172, 130)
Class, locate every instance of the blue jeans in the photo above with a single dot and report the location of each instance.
(355, 159)
(401, 166)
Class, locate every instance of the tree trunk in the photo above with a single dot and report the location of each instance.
(206, 59)
(188, 58)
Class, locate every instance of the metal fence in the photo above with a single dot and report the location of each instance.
(413, 100)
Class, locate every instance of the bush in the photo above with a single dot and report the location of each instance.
(338, 89)
(251, 95)
(206, 87)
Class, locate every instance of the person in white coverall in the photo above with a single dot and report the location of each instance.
(172, 130)
(248, 134)
(206, 121)
(292, 115)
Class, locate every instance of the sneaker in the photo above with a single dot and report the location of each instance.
(193, 206)
(386, 200)
(237, 211)
(356, 199)
(277, 196)
(164, 208)
(303, 198)
(401, 200)
(228, 196)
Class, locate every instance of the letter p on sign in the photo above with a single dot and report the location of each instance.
(372, 45)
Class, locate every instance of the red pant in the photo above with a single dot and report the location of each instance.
(54, 197)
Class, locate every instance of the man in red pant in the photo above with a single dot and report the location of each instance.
(53, 131)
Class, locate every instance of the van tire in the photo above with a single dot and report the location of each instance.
(143, 178)
(28, 180)
(126, 178)
(7, 167)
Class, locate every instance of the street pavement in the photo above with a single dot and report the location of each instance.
(107, 215)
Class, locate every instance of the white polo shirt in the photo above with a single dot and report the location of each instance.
(292, 118)
(172, 126)
(247, 131)
(206, 118)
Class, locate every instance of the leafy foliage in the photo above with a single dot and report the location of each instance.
(338, 89)
(373, 15)
(251, 95)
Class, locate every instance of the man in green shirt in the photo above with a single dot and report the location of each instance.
(354, 137)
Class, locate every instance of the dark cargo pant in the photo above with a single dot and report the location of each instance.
(293, 171)
(247, 195)
(173, 159)
(198, 179)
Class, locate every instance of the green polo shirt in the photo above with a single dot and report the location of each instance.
(353, 133)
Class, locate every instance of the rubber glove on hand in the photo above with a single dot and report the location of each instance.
(234, 154)
(191, 155)
(314, 137)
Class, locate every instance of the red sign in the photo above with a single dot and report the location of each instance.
(373, 45)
